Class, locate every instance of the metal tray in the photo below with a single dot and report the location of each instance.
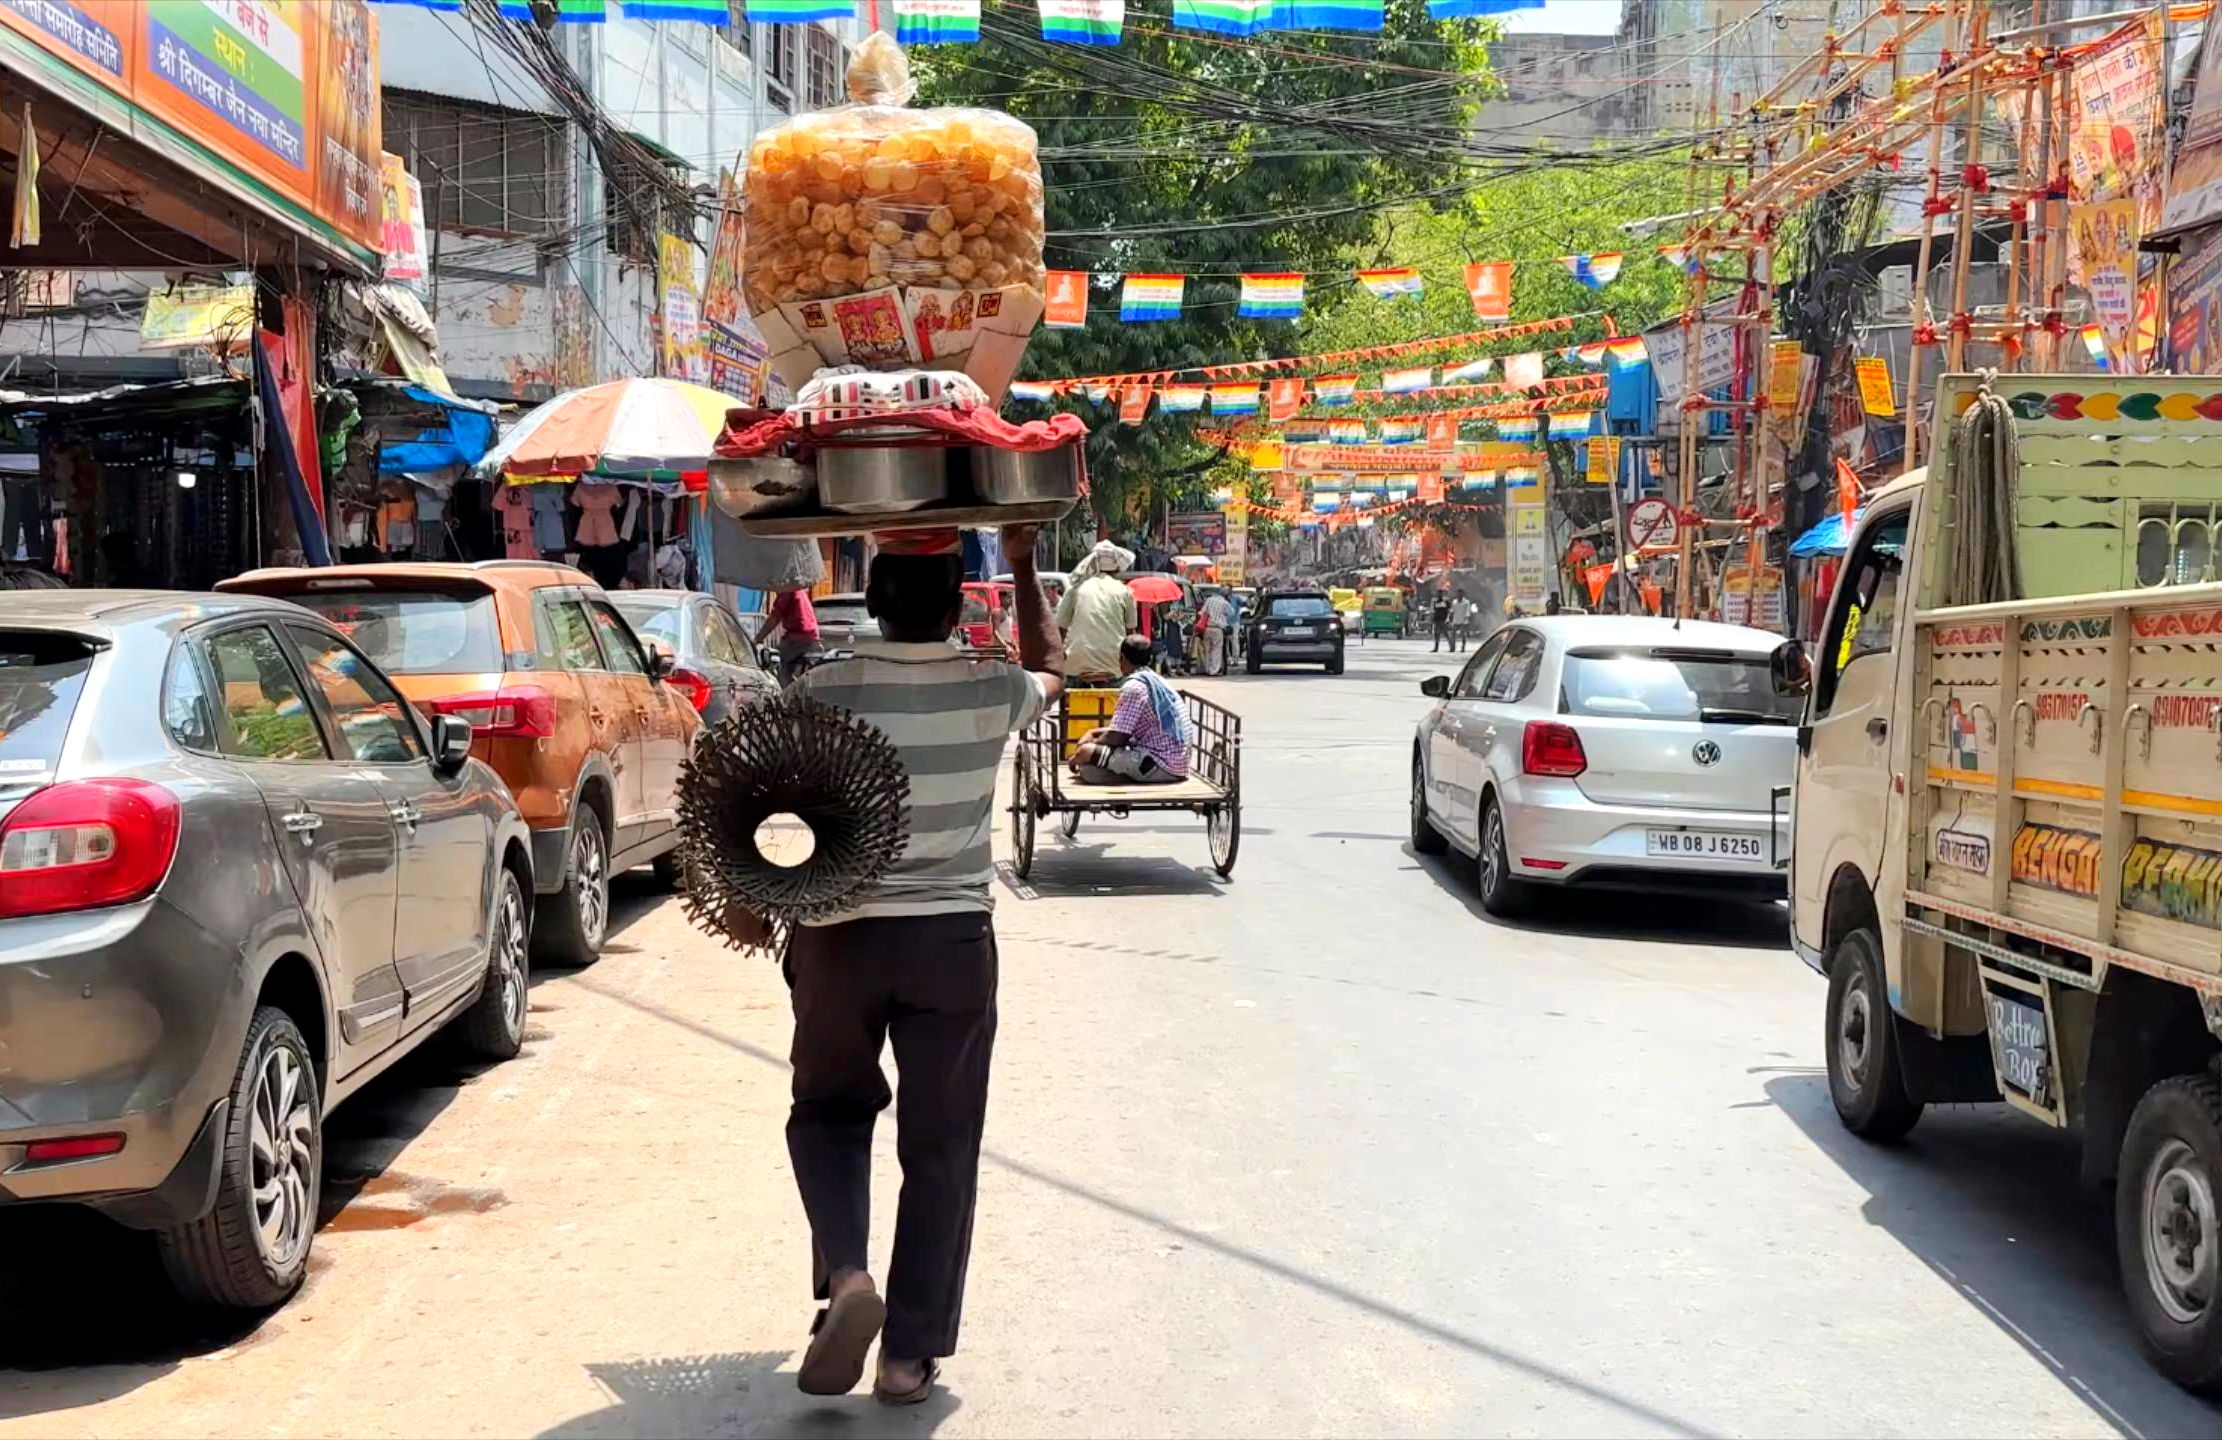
(796, 525)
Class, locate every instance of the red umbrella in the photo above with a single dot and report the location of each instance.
(1155, 589)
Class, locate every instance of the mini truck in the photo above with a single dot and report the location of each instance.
(2007, 817)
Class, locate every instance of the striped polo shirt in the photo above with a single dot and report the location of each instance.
(948, 715)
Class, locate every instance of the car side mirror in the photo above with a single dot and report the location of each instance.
(661, 660)
(1790, 668)
(451, 743)
(1435, 687)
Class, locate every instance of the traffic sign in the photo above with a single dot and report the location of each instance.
(1652, 525)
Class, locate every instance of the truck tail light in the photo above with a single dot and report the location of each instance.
(523, 711)
(695, 687)
(84, 844)
(1549, 748)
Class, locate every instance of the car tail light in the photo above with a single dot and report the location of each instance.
(526, 711)
(71, 1147)
(84, 844)
(695, 687)
(1549, 748)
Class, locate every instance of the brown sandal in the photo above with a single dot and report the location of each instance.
(924, 1388)
(840, 1339)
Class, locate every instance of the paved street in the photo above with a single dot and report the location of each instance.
(1317, 1151)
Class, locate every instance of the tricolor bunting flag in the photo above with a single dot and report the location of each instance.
(937, 22)
(1326, 499)
(702, 12)
(1097, 394)
(2094, 344)
(1284, 397)
(1489, 286)
(800, 12)
(1326, 15)
(1180, 399)
(1520, 427)
(1595, 271)
(1680, 255)
(1469, 372)
(1303, 432)
(1235, 399)
(1404, 382)
(1031, 393)
(1151, 297)
(1334, 389)
(1346, 432)
(1391, 283)
(1222, 17)
(1401, 432)
(1271, 297)
(1591, 354)
(1462, 9)
(1083, 22)
(1518, 477)
(1571, 424)
(1625, 350)
(568, 12)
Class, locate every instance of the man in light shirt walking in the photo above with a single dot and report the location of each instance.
(1097, 613)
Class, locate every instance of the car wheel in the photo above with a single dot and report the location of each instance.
(2166, 1227)
(494, 1026)
(251, 1250)
(1503, 894)
(1862, 1044)
(1251, 663)
(1426, 839)
(572, 921)
(1334, 666)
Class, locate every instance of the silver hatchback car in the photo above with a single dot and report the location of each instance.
(1609, 750)
(239, 876)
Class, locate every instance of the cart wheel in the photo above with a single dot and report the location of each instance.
(1069, 826)
(1022, 815)
(1223, 827)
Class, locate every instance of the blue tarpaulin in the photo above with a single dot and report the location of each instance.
(1831, 537)
(463, 440)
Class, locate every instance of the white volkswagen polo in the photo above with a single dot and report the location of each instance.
(1609, 750)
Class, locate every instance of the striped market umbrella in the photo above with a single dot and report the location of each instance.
(644, 427)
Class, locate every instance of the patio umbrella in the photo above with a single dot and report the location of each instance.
(645, 427)
(1154, 589)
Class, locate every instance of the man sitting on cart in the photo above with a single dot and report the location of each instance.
(1146, 742)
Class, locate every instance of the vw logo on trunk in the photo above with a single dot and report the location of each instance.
(1706, 752)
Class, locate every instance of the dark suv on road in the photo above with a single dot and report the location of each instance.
(1291, 627)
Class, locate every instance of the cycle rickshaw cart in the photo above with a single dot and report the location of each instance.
(1043, 784)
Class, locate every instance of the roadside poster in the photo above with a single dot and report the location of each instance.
(2114, 119)
(1527, 520)
(2195, 304)
(1653, 525)
(1603, 460)
(1752, 600)
(1783, 359)
(1196, 532)
(1235, 559)
(722, 303)
(401, 211)
(1875, 394)
(2195, 185)
(684, 355)
(1666, 346)
(2105, 237)
(217, 316)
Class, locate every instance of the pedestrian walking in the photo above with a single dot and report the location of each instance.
(913, 964)
(1218, 619)
(1098, 611)
(1439, 612)
(1462, 611)
(796, 621)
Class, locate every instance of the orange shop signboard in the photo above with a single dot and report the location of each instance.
(284, 91)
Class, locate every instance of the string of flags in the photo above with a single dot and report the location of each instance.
(1284, 398)
(1527, 329)
(943, 22)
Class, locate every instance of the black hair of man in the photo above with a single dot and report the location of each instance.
(1135, 654)
(916, 598)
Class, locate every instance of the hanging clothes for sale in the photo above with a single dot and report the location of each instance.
(595, 501)
(397, 518)
(514, 507)
(547, 519)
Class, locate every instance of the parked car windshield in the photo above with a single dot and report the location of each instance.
(1678, 685)
(41, 675)
(650, 617)
(415, 632)
(1299, 607)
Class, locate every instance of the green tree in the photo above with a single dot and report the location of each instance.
(1178, 153)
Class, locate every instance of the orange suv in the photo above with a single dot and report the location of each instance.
(564, 702)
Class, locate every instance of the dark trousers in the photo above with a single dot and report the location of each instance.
(928, 984)
(1442, 630)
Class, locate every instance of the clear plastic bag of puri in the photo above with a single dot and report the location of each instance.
(895, 238)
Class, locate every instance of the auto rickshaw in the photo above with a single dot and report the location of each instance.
(1384, 611)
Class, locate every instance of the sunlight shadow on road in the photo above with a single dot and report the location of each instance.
(1665, 919)
(736, 1394)
(1071, 868)
(1627, 1406)
(1991, 1202)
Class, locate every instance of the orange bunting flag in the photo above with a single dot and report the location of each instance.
(1489, 286)
(1522, 371)
(1442, 432)
(1283, 398)
(1134, 405)
(1847, 491)
(1068, 300)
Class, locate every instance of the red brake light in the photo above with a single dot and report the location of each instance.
(525, 711)
(85, 844)
(695, 687)
(1549, 748)
(71, 1147)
